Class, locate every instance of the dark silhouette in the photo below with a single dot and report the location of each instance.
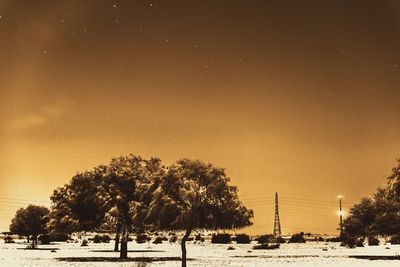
(30, 221)
(194, 195)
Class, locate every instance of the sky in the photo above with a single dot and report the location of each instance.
(296, 97)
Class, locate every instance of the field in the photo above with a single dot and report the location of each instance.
(201, 254)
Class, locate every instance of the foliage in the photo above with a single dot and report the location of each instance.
(373, 241)
(376, 216)
(297, 238)
(30, 221)
(264, 239)
(8, 239)
(142, 238)
(173, 239)
(101, 239)
(59, 237)
(243, 239)
(395, 239)
(158, 240)
(194, 195)
(44, 239)
(221, 239)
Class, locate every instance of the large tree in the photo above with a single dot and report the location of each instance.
(360, 222)
(127, 188)
(193, 196)
(30, 221)
(76, 206)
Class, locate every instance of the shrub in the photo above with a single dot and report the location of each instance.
(281, 240)
(84, 243)
(97, 239)
(142, 238)
(243, 239)
(352, 242)
(297, 238)
(44, 239)
(262, 239)
(158, 240)
(221, 238)
(173, 239)
(8, 239)
(373, 241)
(59, 237)
(395, 239)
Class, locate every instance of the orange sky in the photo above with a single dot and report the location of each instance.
(296, 97)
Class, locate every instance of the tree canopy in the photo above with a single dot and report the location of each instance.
(194, 195)
(30, 221)
(378, 215)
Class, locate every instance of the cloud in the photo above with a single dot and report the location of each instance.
(47, 113)
(29, 122)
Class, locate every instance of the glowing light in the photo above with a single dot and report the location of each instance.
(340, 197)
(340, 213)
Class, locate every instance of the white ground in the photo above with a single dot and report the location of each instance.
(206, 254)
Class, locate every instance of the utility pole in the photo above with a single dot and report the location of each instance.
(340, 216)
(277, 223)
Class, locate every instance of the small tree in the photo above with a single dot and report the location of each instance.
(30, 221)
(195, 196)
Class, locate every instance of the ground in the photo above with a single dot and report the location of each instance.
(203, 254)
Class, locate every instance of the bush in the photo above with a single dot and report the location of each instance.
(59, 237)
(281, 240)
(352, 242)
(173, 239)
(101, 239)
(84, 243)
(373, 241)
(158, 240)
(199, 238)
(44, 239)
(395, 239)
(97, 239)
(297, 238)
(142, 238)
(221, 238)
(8, 239)
(262, 239)
(319, 239)
(243, 239)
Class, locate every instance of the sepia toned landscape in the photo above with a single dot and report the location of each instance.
(199, 133)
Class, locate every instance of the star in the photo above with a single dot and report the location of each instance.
(114, 6)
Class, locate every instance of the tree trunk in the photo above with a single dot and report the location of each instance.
(124, 243)
(118, 231)
(183, 246)
(34, 241)
(28, 239)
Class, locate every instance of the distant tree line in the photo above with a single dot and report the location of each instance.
(376, 216)
(135, 195)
